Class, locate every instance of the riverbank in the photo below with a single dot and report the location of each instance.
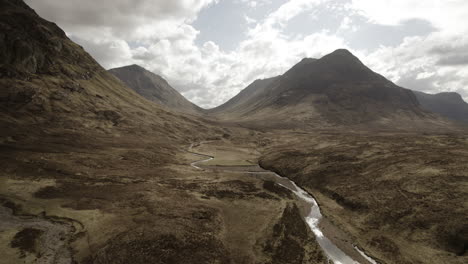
(333, 242)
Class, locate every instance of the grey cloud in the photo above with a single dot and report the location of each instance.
(452, 54)
(101, 24)
(144, 56)
(362, 34)
(428, 85)
(222, 81)
(119, 15)
(455, 60)
(411, 81)
(322, 17)
(447, 49)
(370, 36)
(106, 56)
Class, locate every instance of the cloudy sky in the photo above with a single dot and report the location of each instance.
(211, 49)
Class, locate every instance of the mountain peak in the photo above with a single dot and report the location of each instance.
(343, 56)
(342, 52)
(337, 89)
(340, 65)
(134, 67)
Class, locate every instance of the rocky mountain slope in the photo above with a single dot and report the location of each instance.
(449, 105)
(336, 90)
(246, 98)
(94, 173)
(154, 88)
(46, 78)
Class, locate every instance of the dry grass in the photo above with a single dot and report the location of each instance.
(401, 196)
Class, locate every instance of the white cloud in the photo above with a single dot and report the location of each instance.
(448, 15)
(433, 63)
(416, 64)
(256, 3)
(159, 36)
(291, 9)
(122, 25)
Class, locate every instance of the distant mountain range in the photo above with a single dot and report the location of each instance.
(336, 90)
(154, 88)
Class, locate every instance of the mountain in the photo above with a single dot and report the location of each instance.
(450, 105)
(154, 88)
(82, 155)
(48, 79)
(246, 98)
(335, 90)
(91, 172)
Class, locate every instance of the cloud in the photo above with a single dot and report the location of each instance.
(454, 60)
(256, 3)
(121, 16)
(95, 24)
(432, 63)
(452, 53)
(447, 15)
(424, 63)
(419, 45)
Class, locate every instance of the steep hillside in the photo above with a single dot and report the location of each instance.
(154, 88)
(91, 172)
(336, 90)
(245, 99)
(449, 105)
(51, 82)
(80, 152)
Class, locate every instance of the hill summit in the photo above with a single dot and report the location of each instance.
(335, 90)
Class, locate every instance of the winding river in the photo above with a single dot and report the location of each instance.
(313, 217)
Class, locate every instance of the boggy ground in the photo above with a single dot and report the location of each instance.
(401, 196)
(117, 198)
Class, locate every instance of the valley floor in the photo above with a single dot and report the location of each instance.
(400, 197)
(129, 198)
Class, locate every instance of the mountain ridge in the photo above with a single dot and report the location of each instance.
(335, 90)
(448, 104)
(154, 88)
(48, 79)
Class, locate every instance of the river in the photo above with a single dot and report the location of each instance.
(312, 217)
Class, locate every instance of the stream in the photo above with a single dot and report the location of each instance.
(51, 246)
(313, 217)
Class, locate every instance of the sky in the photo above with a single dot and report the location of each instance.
(210, 50)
